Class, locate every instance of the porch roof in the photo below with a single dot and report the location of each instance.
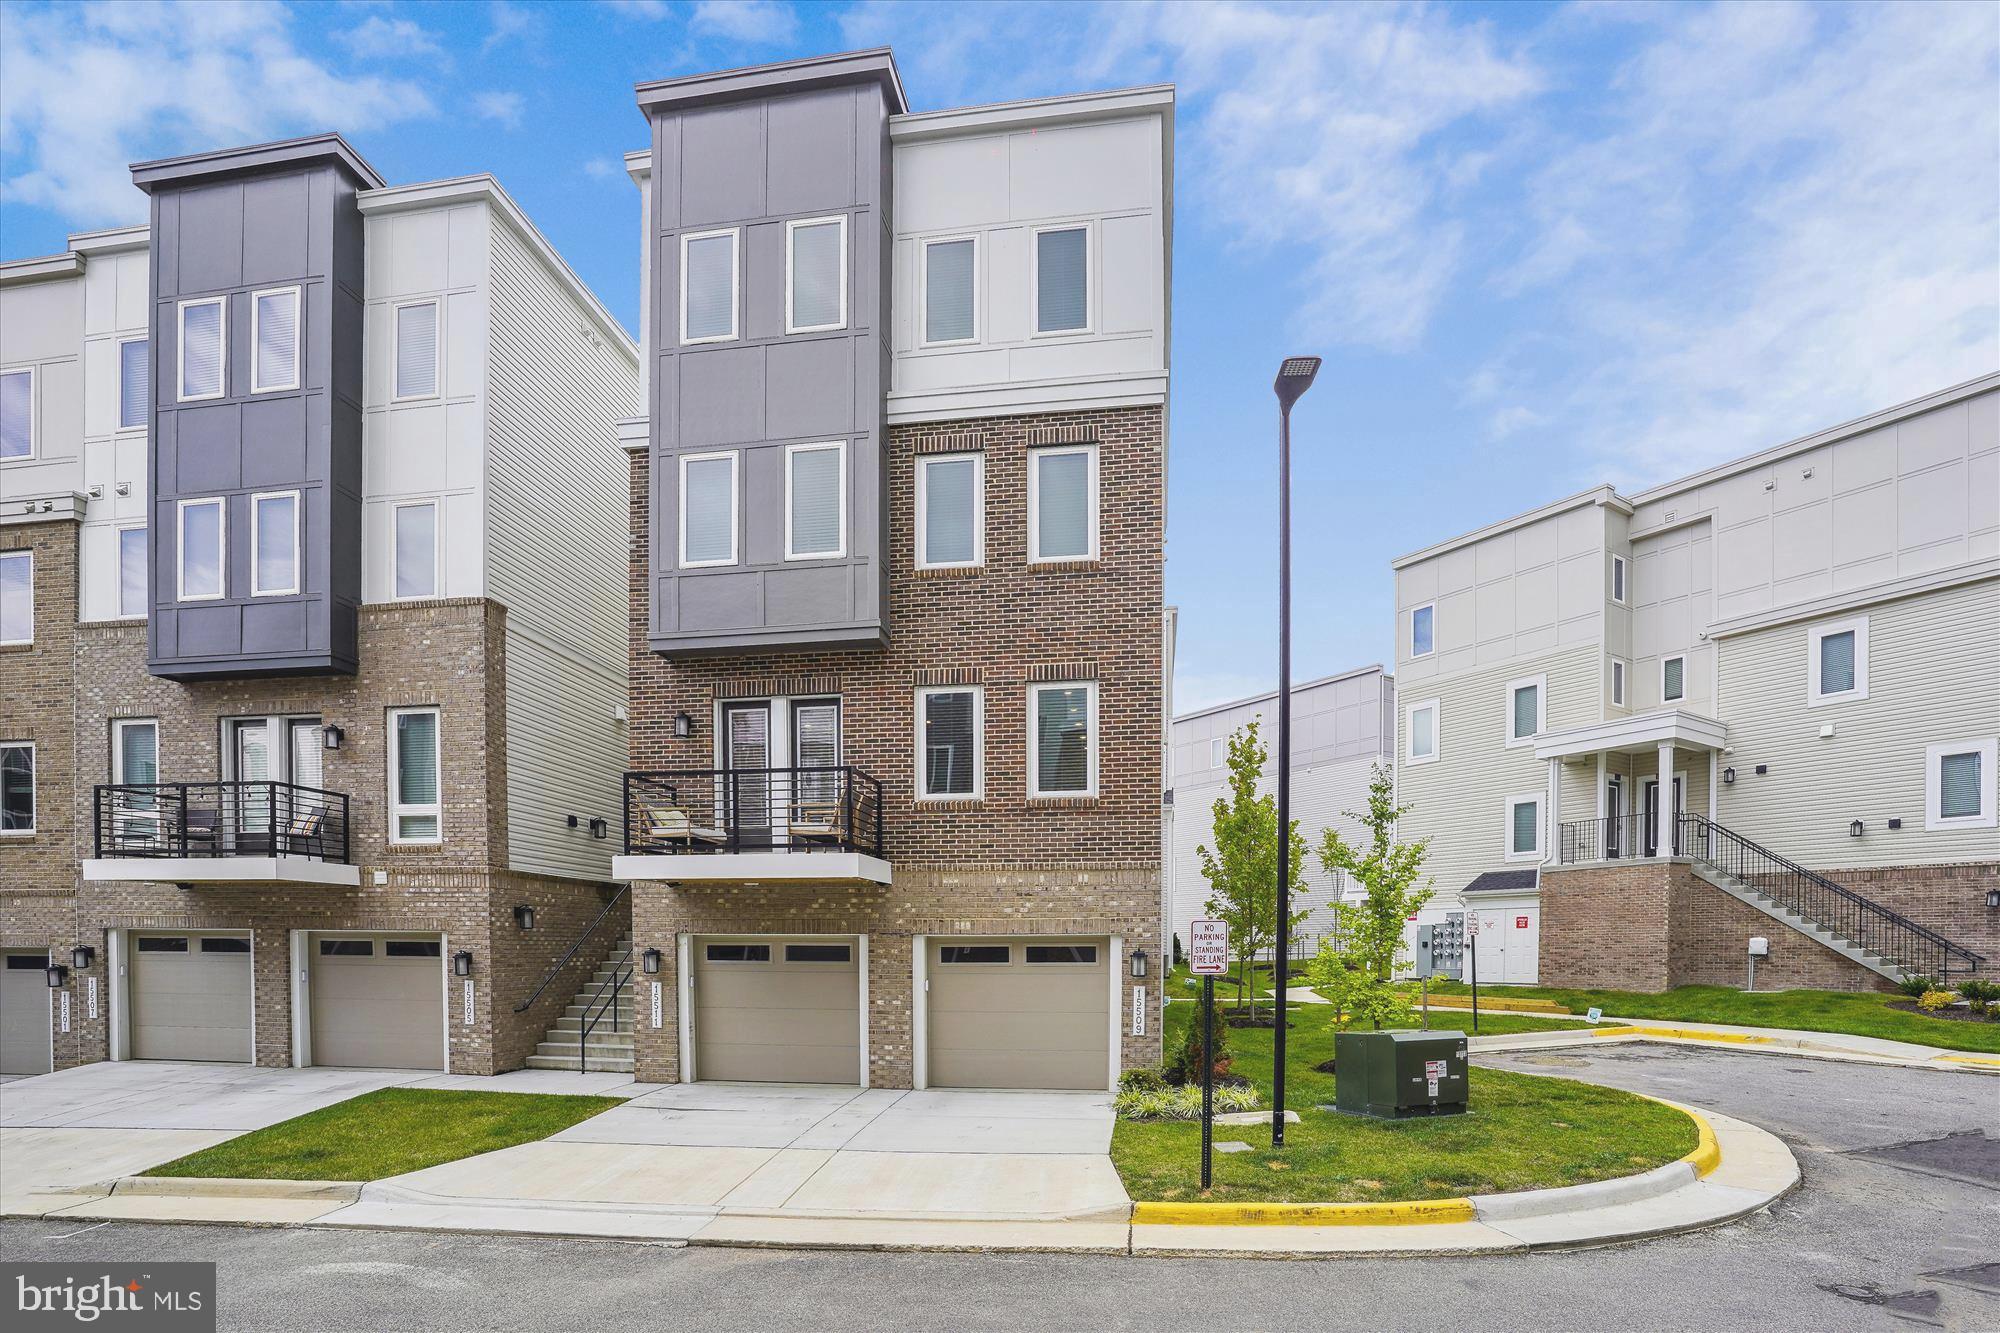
(1634, 735)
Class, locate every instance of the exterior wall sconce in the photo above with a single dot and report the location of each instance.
(683, 726)
(330, 737)
(524, 917)
(649, 962)
(1993, 897)
(600, 828)
(81, 957)
(1854, 829)
(1138, 963)
(58, 976)
(461, 963)
(1728, 777)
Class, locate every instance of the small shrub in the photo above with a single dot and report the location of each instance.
(1979, 995)
(1916, 984)
(1933, 1000)
(1185, 1066)
(1183, 1103)
(1142, 1080)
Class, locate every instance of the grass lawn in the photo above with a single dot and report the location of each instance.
(1523, 1132)
(388, 1132)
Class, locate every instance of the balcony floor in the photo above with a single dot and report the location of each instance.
(731, 867)
(223, 870)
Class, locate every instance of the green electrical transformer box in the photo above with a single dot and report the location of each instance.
(1399, 1075)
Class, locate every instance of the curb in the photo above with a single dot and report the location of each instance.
(226, 1187)
(1685, 1034)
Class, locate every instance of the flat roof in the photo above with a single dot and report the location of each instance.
(251, 157)
(1069, 108)
(877, 64)
(1298, 687)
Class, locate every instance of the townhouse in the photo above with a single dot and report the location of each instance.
(311, 694)
(898, 640)
(1799, 648)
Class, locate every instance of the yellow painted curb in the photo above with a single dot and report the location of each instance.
(1992, 1062)
(1682, 1034)
(1548, 1007)
(1418, 1211)
(1707, 1154)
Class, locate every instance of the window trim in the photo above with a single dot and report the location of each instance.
(1431, 651)
(735, 508)
(1621, 681)
(119, 545)
(924, 291)
(1682, 696)
(840, 549)
(297, 293)
(181, 395)
(1621, 580)
(923, 463)
(1539, 799)
(436, 505)
(1541, 684)
(397, 810)
(1035, 689)
(1817, 698)
(34, 790)
(735, 286)
(396, 309)
(1035, 457)
(1988, 750)
(146, 415)
(978, 792)
(1436, 709)
(792, 226)
(119, 725)
(181, 507)
(1089, 230)
(298, 549)
(27, 554)
(34, 413)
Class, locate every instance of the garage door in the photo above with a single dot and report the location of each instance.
(24, 1013)
(377, 1001)
(191, 997)
(1019, 1013)
(774, 1010)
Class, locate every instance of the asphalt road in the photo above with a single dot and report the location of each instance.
(1866, 1243)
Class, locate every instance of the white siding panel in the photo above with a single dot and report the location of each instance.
(565, 755)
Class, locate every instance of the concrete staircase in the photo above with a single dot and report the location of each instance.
(1751, 895)
(609, 1048)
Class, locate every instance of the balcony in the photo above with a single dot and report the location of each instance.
(753, 824)
(220, 833)
(1615, 838)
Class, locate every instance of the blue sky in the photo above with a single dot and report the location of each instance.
(1540, 246)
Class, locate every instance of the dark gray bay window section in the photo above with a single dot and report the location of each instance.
(1062, 280)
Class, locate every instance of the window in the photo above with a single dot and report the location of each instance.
(167, 944)
(708, 287)
(1061, 953)
(1423, 732)
(17, 596)
(412, 949)
(951, 287)
(1526, 709)
(133, 592)
(417, 350)
(1959, 784)
(274, 542)
(815, 275)
(415, 810)
(274, 338)
(951, 723)
(975, 953)
(224, 944)
(17, 787)
(738, 953)
(1062, 503)
(417, 549)
(135, 751)
(1524, 827)
(203, 340)
(1062, 280)
(135, 382)
(951, 511)
(1062, 739)
(1618, 579)
(1618, 682)
(708, 509)
(815, 501)
(1673, 679)
(1422, 625)
(1837, 661)
(1218, 752)
(347, 948)
(202, 549)
(819, 953)
(17, 414)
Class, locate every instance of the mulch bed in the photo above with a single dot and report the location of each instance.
(1950, 1013)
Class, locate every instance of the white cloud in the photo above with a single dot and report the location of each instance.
(509, 21)
(603, 168)
(86, 91)
(640, 9)
(390, 38)
(763, 21)
(502, 107)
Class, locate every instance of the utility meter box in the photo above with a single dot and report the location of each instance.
(1399, 1075)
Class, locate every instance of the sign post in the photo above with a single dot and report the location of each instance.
(1472, 942)
(1208, 958)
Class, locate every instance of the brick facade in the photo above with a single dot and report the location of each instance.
(37, 682)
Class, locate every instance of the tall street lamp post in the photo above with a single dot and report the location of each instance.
(1295, 376)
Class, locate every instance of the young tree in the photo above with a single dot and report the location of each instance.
(1371, 931)
(1242, 871)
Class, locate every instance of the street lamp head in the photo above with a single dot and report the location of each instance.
(1295, 376)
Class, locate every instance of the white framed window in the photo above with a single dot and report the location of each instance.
(1423, 630)
(951, 742)
(1524, 827)
(815, 274)
(1673, 678)
(274, 339)
(1618, 673)
(416, 350)
(135, 751)
(134, 588)
(1421, 728)
(708, 286)
(274, 543)
(1959, 785)
(17, 597)
(135, 382)
(1062, 738)
(1837, 661)
(1618, 577)
(1527, 709)
(816, 501)
(951, 511)
(416, 811)
(708, 509)
(201, 550)
(17, 414)
(17, 788)
(202, 357)
(1062, 503)
(1062, 279)
(417, 549)
(1218, 752)
(950, 280)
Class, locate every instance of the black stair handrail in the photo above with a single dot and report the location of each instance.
(581, 940)
(1731, 852)
(594, 1009)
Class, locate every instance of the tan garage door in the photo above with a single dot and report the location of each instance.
(191, 997)
(773, 1010)
(377, 1001)
(24, 1013)
(1018, 1013)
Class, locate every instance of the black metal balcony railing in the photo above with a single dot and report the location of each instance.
(703, 811)
(220, 819)
(1613, 838)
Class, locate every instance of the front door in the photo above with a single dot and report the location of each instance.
(746, 757)
(1614, 818)
(1653, 839)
